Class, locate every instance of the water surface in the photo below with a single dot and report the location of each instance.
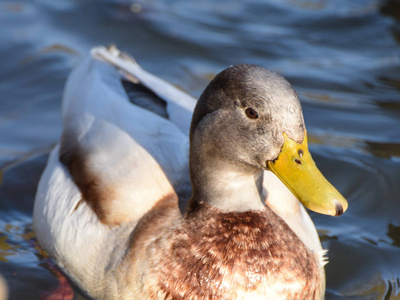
(343, 58)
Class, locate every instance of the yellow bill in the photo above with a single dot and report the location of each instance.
(297, 170)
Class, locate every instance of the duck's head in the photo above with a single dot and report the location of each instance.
(252, 118)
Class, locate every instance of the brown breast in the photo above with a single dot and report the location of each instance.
(213, 255)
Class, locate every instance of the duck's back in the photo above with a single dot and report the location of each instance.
(95, 93)
(107, 171)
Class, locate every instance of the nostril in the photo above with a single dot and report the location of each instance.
(297, 161)
(339, 209)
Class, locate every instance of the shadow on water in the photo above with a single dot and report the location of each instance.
(391, 8)
(394, 234)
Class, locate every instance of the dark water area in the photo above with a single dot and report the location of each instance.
(342, 57)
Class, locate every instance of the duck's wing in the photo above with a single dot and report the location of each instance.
(123, 158)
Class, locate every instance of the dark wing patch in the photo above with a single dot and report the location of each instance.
(141, 96)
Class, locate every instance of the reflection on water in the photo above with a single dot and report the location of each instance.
(385, 150)
(5, 249)
(382, 150)
(343, 58)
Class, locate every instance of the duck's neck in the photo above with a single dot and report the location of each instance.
(228, 186)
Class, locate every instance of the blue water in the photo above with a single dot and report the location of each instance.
(342, 57)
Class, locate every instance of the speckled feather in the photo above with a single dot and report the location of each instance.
(210, 254)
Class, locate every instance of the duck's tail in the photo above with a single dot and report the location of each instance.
(112, 55)
(322, 258)
(180, 105)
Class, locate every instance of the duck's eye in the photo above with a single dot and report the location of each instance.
(251, 113)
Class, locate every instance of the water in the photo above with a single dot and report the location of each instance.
(343, 58)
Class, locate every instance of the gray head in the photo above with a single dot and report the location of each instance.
(249, 119)
(244, 112)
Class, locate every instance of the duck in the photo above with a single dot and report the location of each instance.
(150, 194)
